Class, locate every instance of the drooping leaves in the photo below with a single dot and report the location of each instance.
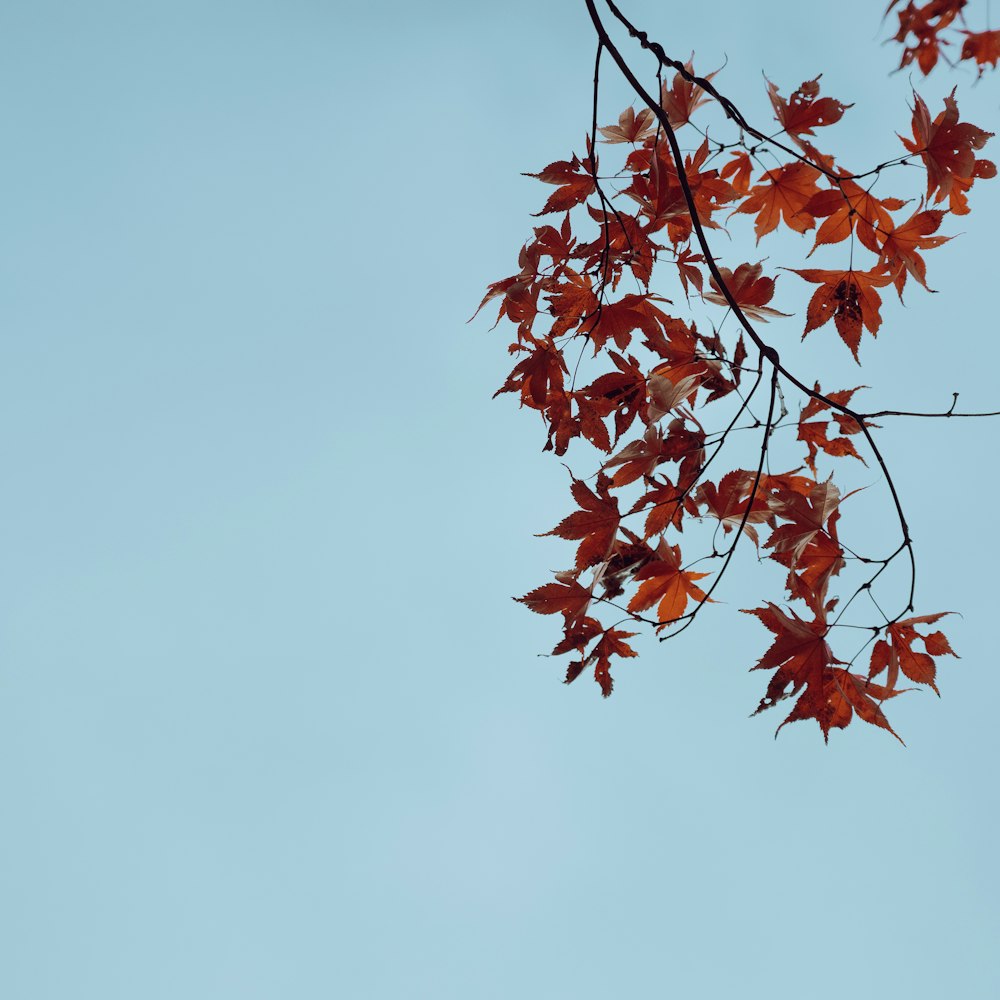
(608, 360)
(897, 654)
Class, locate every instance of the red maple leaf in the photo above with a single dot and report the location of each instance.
(638, 458)
(751, 291)
(666, 505)
(924, 23)
(958, 200)
(807, 545)
(806, 110)
(617, 320)
(983, 46)
(848, 298)
(814, 432)
(621, 392)
(574, 179)
(945, 145)
(737, 171)
(804, 666)
(571, 301)
(848, 208)
(784, 196)
(543, 369)
(671, 385)
(610, 644)
(631, 127)
(682, 97)
(596, 523)
(729, 501)
(901, 243)
(569, 599)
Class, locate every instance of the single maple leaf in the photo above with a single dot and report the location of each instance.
(983, 47)
(841, 397)
(569, 599)
(571, 301)
(898, 653)
(665, 584)
(682, 97)
(784, 196)
(686, 260)
(666, 505)
(674, 342)
(671, 385)
(591, 416)
(751, 291)
(562, 425)
(596, 523)
(631, 127)
(849, 298)
(574, 179)
(737, 171)
(814, 434)
(945, 145)
(555, 243)
(901, 243)
(778, 484)
(806, 110)
(958, 198)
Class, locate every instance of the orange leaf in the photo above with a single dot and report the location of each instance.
(574, 180)
(665, 582)
(806, 110)
(849, 299)
(784, 196)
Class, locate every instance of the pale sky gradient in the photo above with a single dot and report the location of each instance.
(270, 724)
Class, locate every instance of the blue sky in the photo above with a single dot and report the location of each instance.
(270, 724)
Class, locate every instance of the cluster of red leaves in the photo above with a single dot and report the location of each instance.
(643, 411)
(925, 30)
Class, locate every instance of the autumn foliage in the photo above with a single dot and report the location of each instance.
(937, 30)
(620, 372)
